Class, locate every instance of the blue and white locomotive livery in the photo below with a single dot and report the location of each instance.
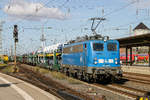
(92, 58)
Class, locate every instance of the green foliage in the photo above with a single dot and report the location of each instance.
(73, 81)
(40, 70)
(56, 75)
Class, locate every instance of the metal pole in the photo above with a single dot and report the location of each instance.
(1, 25)
(149, 55)
(130, 30)
(126, 56)
(130, 56)
(15, 57)
(1, 39)
(43, 44)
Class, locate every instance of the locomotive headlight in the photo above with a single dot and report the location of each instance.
(116, 62)
(95, 62)
(105, 40)
(110, 60)
(100, 60)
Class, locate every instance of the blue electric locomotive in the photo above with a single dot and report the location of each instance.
(93, 58)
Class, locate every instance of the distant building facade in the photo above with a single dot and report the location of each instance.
(141, 29)
(139, 52)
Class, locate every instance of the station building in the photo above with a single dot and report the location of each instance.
(135, 49)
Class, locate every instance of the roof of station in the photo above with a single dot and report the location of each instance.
(141, 26)
(135, 41)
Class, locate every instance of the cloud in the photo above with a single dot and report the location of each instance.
(32, 11)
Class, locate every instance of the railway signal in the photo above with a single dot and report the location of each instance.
(15, 35)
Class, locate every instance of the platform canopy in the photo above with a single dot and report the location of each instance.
(135, 41)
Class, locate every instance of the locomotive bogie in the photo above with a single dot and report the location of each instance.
(86, 73)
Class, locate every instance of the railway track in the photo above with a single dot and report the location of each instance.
(136, 74)
(127, 92)
(115, 89)
(62, 92)
(129, 89)
(120, 90)
(139, 78)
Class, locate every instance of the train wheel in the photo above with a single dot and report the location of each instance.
(88, 78)
(82, 77)
(112, 78)
(79, 76)
(63, 70)
(67, 73)
(70, 74)
(75, 75)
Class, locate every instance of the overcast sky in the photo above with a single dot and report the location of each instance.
(68, 19)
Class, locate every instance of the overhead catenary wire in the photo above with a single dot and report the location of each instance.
(127, 24)
(118, 9)
(107, 13)
(68, 1)
(40, 9)
(86, 24)
(37, 11)
(133, 22)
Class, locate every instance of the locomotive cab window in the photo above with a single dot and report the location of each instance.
(98, 46)
(112, 47)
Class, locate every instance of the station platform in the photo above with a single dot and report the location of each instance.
(141, 69)
(15, 89)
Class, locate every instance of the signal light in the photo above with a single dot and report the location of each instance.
(15, 33)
